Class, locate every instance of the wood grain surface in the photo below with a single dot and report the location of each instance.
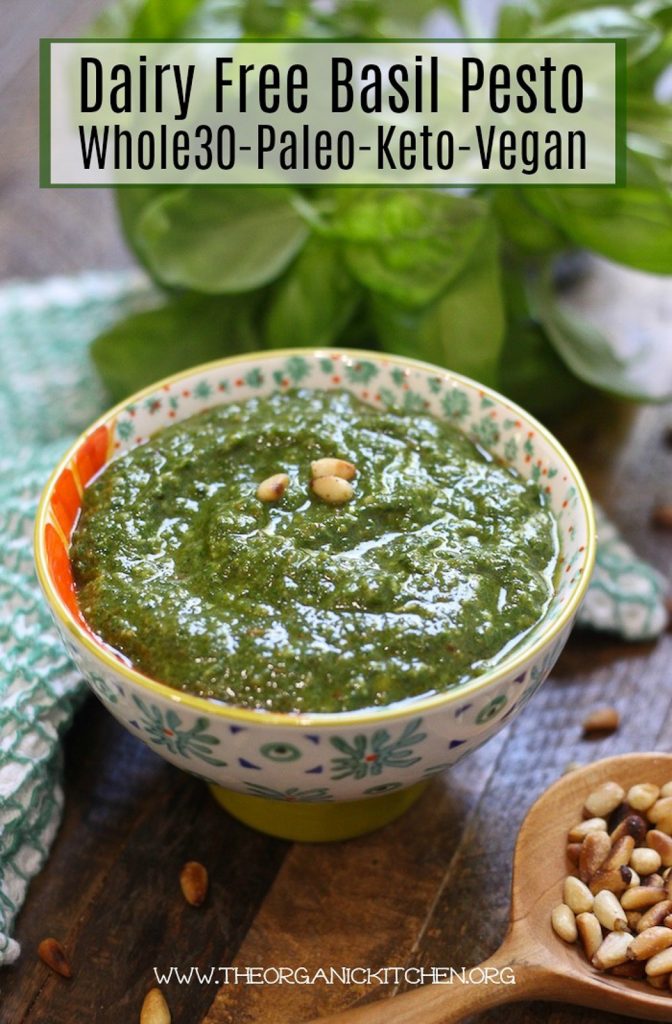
(430, 890)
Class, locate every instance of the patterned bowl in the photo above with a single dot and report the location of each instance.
(319, 776)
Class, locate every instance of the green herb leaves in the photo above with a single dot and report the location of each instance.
(407, 244)
(220, 241)
(189, 330)
(631, 225)
(594, 358)
(464, 329)
(314, 301)
(465, 280)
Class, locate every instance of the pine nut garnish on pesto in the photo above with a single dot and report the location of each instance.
(434, 566)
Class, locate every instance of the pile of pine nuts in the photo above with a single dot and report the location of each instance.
(330, 481)
(619, 903)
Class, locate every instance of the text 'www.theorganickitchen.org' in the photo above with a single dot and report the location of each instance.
(357, 975)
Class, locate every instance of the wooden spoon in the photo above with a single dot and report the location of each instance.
(544, 966)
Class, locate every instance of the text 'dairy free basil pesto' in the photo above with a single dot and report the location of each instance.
(307, 552)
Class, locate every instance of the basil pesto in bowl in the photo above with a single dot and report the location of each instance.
(315, 578)
(437, 562)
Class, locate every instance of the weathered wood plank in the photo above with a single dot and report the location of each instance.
(360, 903)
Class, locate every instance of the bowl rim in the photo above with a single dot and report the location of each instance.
(364, 716)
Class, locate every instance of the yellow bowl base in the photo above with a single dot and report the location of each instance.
(317, 822)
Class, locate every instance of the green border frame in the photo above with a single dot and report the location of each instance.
(45, 115)
(620, 118)
(621, 125)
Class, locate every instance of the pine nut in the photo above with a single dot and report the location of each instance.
(590, 933)
(634, 825)
(332, 489)
(617, 902)
(649, 942)
(51, 953)
(614, 874)
(661, 963)
(273, 487)
(630, 969)
(645, 861)
(577, 896)
(642, 796)
(660, 810)
(155, 1008)
(583, 828)
(655, 915)
(594, 851)
(662, 844)
(564, 922)
(574, 852)
(601, 720)
(620, 853)
(604, 800)
(194, 882)
(641, 896)
(613, 951)
(333, 467)
(660, 981)
(609, 911)
(614, 880)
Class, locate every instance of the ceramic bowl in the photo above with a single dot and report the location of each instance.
(319, 776)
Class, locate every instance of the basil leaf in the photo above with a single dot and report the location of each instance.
(215, 19)
(643, 77)
(315, 299)
(645, 373)
(605, 22)
(514, 21)
(463, 330)
(631, 225)
(650, 135)
(533, 374)
(530, 370)
(401, 18)
(152, 344)
(131, 204)
(144, 19)
(220, 240)
(521, 225)
(407, 244)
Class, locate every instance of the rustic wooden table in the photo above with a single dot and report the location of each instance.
(429, 890)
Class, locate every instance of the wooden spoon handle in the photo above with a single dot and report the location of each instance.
(501, 979)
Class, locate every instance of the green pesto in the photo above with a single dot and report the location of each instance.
(439, 565)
